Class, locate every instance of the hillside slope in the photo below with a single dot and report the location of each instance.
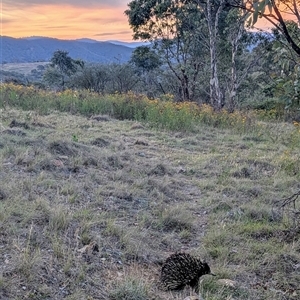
(41, 49)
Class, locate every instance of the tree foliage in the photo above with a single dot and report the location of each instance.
(61, 67)
(286, 76)
(275, 11)
(284, 15)
(145, 58)
(178, 32)
(192, 39)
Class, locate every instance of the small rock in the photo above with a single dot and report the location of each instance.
(227, 282)
(137, 126)
(63, 157)
(57, 163)
(192, 298)
(103, 118)
(90, 248)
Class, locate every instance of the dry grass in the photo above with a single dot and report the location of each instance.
(22, 68)
(90, 208)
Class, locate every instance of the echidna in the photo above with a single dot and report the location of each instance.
(181, 269)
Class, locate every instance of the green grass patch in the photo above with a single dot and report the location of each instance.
(129, 289)
(160, 114)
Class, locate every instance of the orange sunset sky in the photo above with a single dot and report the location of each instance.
(68, 19)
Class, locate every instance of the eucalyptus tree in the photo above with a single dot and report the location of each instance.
(286, 83)
(92, 77)
(147, 63)
(284, 16)
(122, 78)
(145, 59)
(61, 67)
(178, 33)
(189, 36)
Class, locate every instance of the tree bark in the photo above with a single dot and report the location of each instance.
(235, 38)
(217, 99)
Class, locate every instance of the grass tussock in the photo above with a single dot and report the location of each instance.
(130, 289)
(89, 208)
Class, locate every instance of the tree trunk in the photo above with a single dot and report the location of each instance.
(234, 84)
(216, 96)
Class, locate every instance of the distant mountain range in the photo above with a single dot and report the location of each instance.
(41, 49)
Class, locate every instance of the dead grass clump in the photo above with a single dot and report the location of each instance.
(137, 126)
(3, 194)
(38, 144)
(222, 206)
(15, 123)
(243, 173)
(48, 164)
(101, 118)
(254, 191)
(90, 161)
(16, 132)
(100, 142)
(159, 170)
(161, 189)
(63, 148)
(114, 162)
(42, 125)
(175, 219)
(42, 211)
(261, 168)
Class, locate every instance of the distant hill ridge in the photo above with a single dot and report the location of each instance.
(34, 49)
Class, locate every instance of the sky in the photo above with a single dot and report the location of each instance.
(68, 19)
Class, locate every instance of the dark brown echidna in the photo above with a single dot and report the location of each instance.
(181, 269)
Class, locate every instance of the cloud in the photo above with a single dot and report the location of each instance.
(56, 27)
(112, 33)
(65, 21)
(105, 19)
(77, 3)
(6, 21)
